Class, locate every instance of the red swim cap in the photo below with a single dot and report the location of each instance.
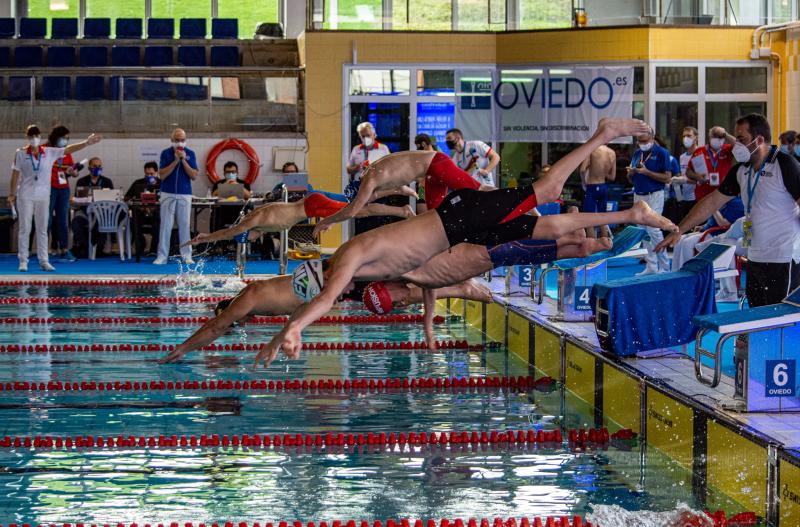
(377, 298)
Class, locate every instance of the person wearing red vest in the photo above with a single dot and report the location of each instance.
(712, 162)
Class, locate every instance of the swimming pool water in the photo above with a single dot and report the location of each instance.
(206, 484)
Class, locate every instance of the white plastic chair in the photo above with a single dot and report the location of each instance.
(110, 217)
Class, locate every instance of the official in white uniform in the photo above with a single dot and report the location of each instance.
(475, 157)
(369, 151)
(30, 191)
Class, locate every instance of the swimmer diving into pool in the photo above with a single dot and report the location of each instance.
(274, 217)
(274, 296)
(466, 216)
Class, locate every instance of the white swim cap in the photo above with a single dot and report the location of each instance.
(307, 280)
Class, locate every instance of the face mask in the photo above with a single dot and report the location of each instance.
(35, 140)
(230, 176)
(742, 152)
(179, 144)
(797, 150)
(96, 171)
(451, 144)
(645, 147)
(62, 142)
(367, 141)
(688, 142)
(716, 143)
(784, 149)
(151, 180)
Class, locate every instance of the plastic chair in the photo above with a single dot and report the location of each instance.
(32, 27)
(158, 56)
(28, 56)
(110, 217)
(129, 28)
(5, 57)
(94, 57)
(96, 28)
(160, 28)
(222, 56)
(90, 88)
(19, 88)
(224, 28)
(60, 56)
(64, 28)
(191, 56)
(193, 27)
(55, 88)
(126, 56)
(8, 27)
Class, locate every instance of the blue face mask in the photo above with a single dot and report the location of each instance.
(62, 142)
(96, 171)
(797, 150)
(785, 149)
(151, 180)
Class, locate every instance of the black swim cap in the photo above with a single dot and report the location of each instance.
(222, 306)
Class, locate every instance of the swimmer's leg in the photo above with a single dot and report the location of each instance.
(364, 196)
(548, 188)
(468, 290)
(554, 227)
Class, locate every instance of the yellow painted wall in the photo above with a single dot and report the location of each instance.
(324, 54)
(621, 400)
(518, 335)
(547, 353)
(580, 373)
(789, 494)
(495, 322)
(670, 427)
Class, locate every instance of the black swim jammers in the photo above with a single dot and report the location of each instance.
(487, 218)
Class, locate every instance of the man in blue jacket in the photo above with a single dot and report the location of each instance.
(177, 169)
(649, 172)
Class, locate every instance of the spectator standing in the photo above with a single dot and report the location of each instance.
(59, 194)
(177, 169)
(649, 171)
(369, 151)
(30, 191)
(768, 182)
(474, 157)
(685, 187)
(712, 162)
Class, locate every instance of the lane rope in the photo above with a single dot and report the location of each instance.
(79, 300)
(189, 320)
(534, 521)
(329, 385)
(307, 346)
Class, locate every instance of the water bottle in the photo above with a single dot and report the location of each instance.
(740, 357)
(13, 212)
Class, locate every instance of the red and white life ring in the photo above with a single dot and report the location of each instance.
(232, 144)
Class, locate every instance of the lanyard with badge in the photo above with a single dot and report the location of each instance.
(35, 164)
(62, 175)
(713, 176)
(747, 226)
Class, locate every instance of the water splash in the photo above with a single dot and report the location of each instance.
(191, 279)
(616, 516)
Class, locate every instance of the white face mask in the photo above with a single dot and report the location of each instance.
(179, 144)
(231, 176)
(645, 147)
(367, 141)
(716, 143)
(35, 141)
(742, 152)
(688, 142)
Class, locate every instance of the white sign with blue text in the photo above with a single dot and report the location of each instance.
(560, 105)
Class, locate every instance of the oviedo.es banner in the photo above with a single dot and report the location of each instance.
(555, 105)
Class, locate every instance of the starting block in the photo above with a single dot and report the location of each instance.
(765, 355)
(577, 276)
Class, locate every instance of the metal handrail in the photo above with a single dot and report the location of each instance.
(284, 256)
(148, 71)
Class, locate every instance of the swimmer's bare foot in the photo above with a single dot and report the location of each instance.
(594, 245)
(474, 290)
(405, 190)
(408, 212)
(610, 128)
(642, 214)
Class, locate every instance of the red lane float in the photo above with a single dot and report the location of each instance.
(79, 300)
(182, 320)
(386, 440)
(534, 521)
(307, 346)
(447, 384)
(101, 281)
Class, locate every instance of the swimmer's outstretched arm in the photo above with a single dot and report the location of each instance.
(239, 308)
(364, 196)
(289, 339)
(429, 300)
(257, 218)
